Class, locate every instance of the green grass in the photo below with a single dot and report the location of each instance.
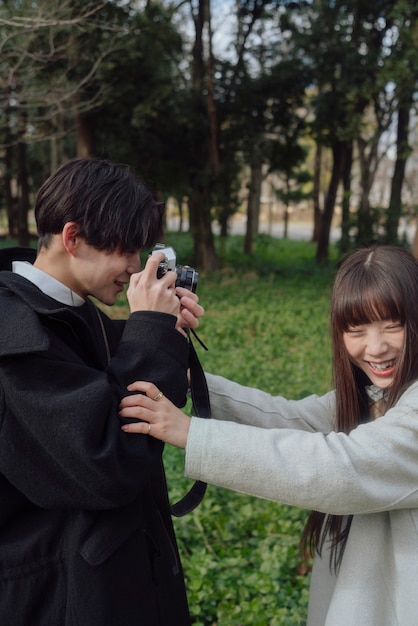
(266, 325)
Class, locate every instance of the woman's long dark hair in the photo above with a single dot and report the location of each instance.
(372, 284)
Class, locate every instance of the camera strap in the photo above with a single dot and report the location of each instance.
(200, 408)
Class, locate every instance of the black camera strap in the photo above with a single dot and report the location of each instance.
(200, 408)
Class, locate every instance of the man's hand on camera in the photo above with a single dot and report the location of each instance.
(146, 292)
(190, 309)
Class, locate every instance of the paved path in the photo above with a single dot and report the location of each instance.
(298, 230)
(295, 230)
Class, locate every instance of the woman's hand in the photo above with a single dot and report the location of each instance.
(160, 418)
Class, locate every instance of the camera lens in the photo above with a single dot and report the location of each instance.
(187, 277)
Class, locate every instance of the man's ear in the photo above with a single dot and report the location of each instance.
(69, 237)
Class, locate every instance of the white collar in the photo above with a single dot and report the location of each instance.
(47, 284)
(375, 393)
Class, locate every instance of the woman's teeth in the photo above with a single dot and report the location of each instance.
(381, 367)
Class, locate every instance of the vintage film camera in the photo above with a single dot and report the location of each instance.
(186, 276)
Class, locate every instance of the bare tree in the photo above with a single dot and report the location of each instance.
(44, 88)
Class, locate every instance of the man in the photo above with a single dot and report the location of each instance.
(85, 530)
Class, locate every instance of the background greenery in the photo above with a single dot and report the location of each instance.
(266, 325)
(272, 108)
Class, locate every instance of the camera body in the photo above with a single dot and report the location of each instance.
(186, 276)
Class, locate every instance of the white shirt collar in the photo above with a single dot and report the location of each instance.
(47, 284)
(375, 393)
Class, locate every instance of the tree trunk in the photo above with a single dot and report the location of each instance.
(200, 226)
(23, 185)
(223, 226)
(415, 242)
(203, 173)
(10, 202)
(402, 152)
(286, 209)
(210, 99)
(11, 208)
(338, 152)
(84, 125)
(181, 214)
(253, 202)
(345, 208)
(316, 193)
(368, 157)
(286, 221)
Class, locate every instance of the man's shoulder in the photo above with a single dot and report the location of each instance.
(8, 255)
(21, 329)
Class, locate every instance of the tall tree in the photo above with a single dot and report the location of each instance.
(346, 44)
(404, 66)
(40, 84)
(205, 147)
(266, 98)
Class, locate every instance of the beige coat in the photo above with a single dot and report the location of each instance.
(286, 451)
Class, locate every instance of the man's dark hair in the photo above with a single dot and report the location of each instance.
(113, 208)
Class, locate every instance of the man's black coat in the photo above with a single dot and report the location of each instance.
(85, 530)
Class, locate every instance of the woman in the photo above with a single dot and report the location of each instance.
(351, 456)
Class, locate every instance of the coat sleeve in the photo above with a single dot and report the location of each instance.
(60, 439)
(152, 349)
(231, 401)
(373, 469)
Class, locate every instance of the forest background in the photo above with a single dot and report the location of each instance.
(267, 110)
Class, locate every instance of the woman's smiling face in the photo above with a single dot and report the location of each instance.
(376, 349)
